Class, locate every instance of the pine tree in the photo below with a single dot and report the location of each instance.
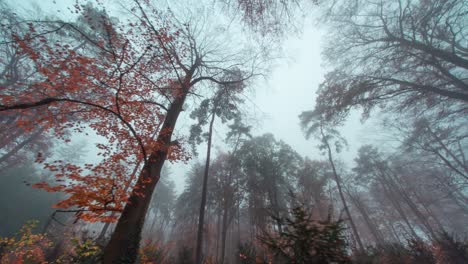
(304, 240)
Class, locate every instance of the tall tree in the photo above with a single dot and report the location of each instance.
(403, 197)
(226, 195)
(271, 168)
(134, 87)
(401, 55)
(223, 105)
(16, 70)
(313, 177)
(313, 124)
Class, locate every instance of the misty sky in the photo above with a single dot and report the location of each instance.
(276, 101)
(289, 90)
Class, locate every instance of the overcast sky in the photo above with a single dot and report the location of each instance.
(287, 92)
(278, 100)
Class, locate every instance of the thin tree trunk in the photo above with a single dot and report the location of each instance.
(340, 191)
(389, 193)
(370, 224)
(124, 243)
(104, 229)
(201, 219)
(395, 233)
(223, 234)
(448, 151)
(6, 137)
(21, 145)
(392, 180)
(218, 234)
(153, 224)
(277, 209)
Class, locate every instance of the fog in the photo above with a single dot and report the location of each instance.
(234, 131)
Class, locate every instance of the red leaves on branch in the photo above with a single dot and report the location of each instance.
(113, 85)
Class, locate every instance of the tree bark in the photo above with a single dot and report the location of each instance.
(106, 226)
(124, 243)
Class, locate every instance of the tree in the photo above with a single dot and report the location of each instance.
(15, 71)
(162, 206)
(268, 18)
(227, 194)
(131, 92)
(312, 180)
(186, 211)
(271, 168)
(403, 197)
(313, 123)
(223, 105)
(442, 141)
(400, 55)
(357, 200)
(307, 241)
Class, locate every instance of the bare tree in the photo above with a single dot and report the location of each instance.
(402, 55)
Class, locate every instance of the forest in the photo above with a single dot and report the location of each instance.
(138, 131)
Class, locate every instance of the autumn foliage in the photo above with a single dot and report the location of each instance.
(112, 87)
(27, 247)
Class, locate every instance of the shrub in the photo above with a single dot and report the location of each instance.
(450, 249)
(152, 253)
(306, 241)
(25, 247)
(248, 254)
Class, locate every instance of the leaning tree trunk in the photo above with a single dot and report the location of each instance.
(340, 191)
(106, 226)
(21, 145)
(201, 218)
(378, 237)
(124, 243)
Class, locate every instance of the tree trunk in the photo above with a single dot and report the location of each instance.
(362, 208)
(401, 193)
(390, 194)
(106, 226)
(104, 229)
(201, 218)
(124, 243)
(340, 191)
(6, 136)
(218, 232)
(223, 234)
(21, 145)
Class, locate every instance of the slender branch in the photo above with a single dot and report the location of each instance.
(51, 100)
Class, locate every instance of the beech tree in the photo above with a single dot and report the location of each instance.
(131, 93)
(405, 198)
(445, 142)
(401, 55)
